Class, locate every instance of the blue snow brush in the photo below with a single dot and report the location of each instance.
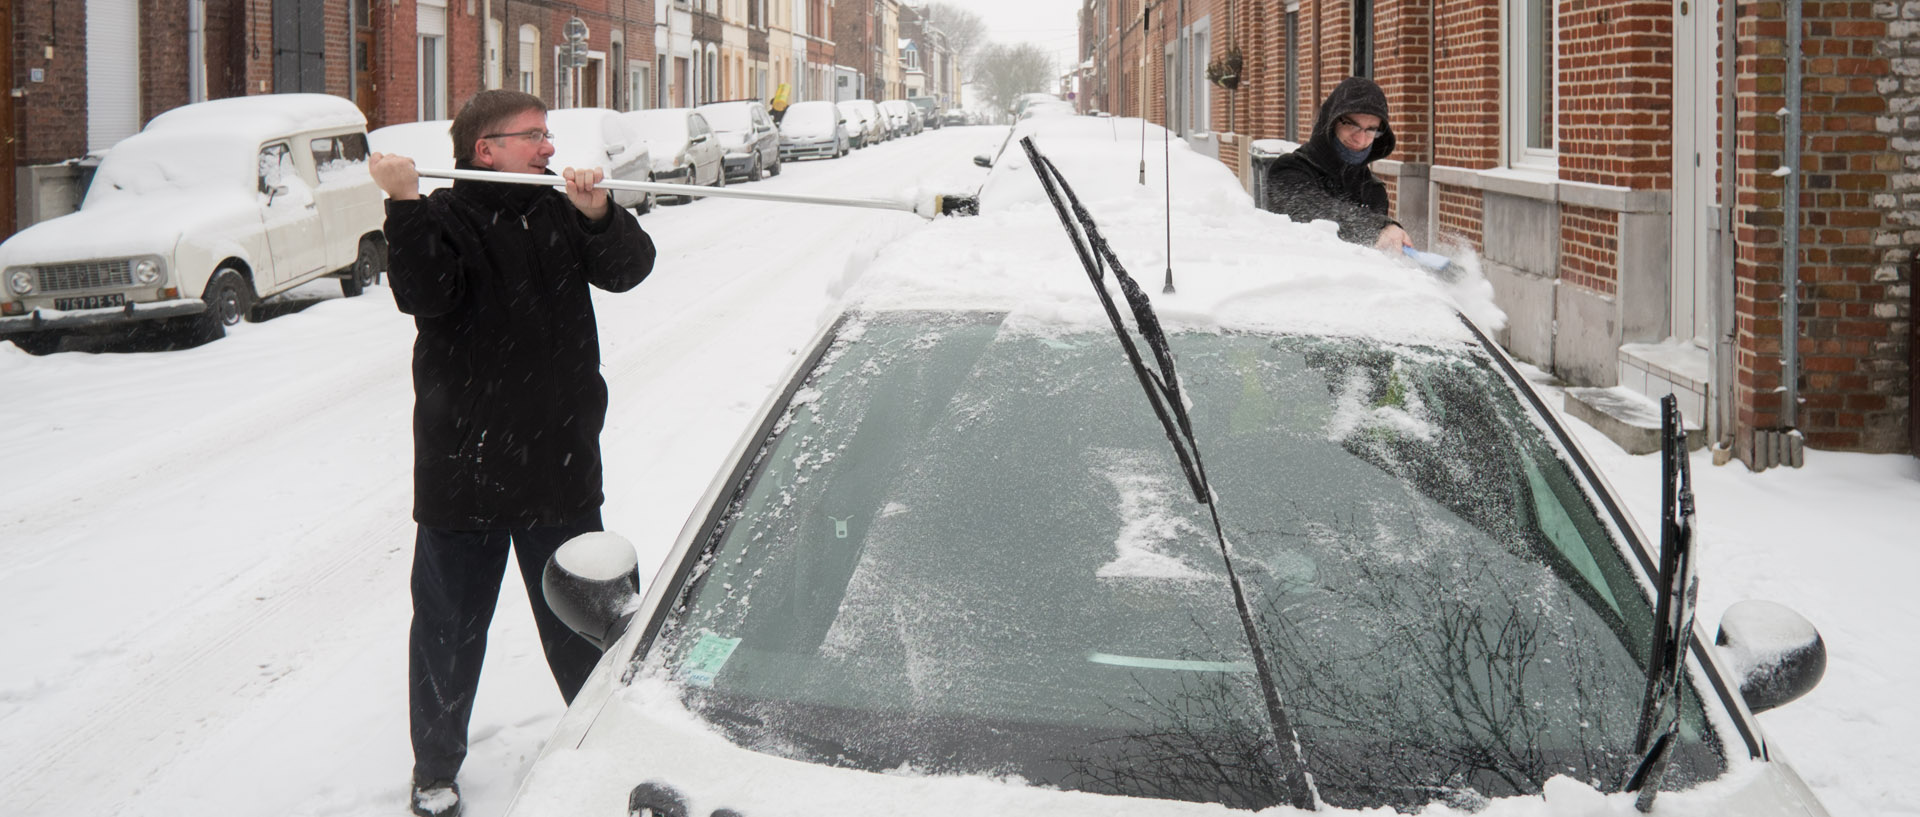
(1438, 265)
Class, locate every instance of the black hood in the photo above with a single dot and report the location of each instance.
(1352, 95)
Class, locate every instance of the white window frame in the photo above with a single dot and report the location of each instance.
(1519, 84)
(1199, 42)
(529, 64)
(495, 62)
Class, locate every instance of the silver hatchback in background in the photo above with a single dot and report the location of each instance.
(815, 128)
(747, 134)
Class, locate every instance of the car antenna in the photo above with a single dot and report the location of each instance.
(1146, 25)
(1166, 169)
(1673, 619)
(1163, 393)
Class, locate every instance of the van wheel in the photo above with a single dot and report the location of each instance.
(775, 170)
(228, 298)
(365, 270)
(755, 172)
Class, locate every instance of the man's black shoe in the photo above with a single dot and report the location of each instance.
(436, 798)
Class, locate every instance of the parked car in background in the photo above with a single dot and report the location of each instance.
(862, 128)
(878, 129)
(682, 145)
(815, 128)
(1021, 102)
(603, 138)
(956, 117)
(1455, 610)
(900, 116)
(208, 209)
(929, 110)
(747, 133)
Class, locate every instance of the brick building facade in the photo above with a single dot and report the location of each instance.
(1577, 147)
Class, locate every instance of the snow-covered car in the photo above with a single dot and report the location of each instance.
(582, 137)
(206, 210)
(862, 130)
(900, 117)
(683, 146)
(929, 114)
(872, 119)
(814, 128)
(746, 132)
(988, 551)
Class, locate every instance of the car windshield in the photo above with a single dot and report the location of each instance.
(968, 548)
(810, 118)
(725, 117)
(664, 131)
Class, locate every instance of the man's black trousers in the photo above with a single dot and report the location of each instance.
(456, 582)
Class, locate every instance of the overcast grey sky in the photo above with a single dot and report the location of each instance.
(1051, 24)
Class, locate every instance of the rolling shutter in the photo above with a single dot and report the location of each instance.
(113, 72)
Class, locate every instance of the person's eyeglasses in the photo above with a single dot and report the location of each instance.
(1371, 133)
(535, 136)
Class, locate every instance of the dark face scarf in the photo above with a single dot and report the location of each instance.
(1351, 156)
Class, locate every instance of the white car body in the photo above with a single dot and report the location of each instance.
(815, 128)
(682, 144)
(628, 727)
(873, 121)
(274, 187)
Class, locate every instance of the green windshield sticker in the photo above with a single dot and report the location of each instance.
(704, 661)
(1168, 663)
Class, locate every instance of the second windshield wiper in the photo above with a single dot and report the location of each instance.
(1162, 386)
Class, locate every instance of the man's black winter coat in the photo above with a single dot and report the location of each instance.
(1313, 183)
(508, 398)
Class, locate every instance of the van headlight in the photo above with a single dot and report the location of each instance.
(147, 271)
(20, 281)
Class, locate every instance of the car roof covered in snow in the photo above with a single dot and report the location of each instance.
(1234, 266)
(265, 116)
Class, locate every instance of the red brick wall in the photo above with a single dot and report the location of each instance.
(1590, 248)
(1616, 93)
(1466, 85)
(53, 112)
(1460, 214)
(1855, 276)
(1403, 65)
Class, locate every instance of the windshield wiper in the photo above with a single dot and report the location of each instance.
(1673, 618)
(1162, 386)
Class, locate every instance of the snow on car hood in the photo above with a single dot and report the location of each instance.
(645, 735)
(132, 225)
(1234, 266)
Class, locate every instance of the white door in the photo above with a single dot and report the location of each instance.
(113, 72)
(295, 238)
(1695, 159)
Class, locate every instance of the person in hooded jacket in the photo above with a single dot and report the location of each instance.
(508, 401)
(1330, 176)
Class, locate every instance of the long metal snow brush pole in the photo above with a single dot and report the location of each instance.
(937, 206)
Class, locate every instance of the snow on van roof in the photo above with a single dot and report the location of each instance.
(1234, 266)
(264, 116)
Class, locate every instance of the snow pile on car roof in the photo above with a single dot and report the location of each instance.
(1233, 266)
(264, 116)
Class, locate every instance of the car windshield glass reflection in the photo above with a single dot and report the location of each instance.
(968, 549)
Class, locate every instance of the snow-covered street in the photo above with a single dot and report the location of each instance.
(206, 551)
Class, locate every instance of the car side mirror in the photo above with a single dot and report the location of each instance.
(1777, 655)
(699, 139)
(615, 150)
(983, 160)
(593, 584)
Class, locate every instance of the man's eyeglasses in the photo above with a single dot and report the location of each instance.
(535, 136)
(1371, 133)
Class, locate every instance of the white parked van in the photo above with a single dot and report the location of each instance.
(209, 208)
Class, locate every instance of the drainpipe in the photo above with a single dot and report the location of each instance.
(196, 51)
(1721, 418)
(1790, 262)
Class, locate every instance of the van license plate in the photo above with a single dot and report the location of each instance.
(91, 301)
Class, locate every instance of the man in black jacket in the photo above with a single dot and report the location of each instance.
(508, 401)
(1329, 177)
